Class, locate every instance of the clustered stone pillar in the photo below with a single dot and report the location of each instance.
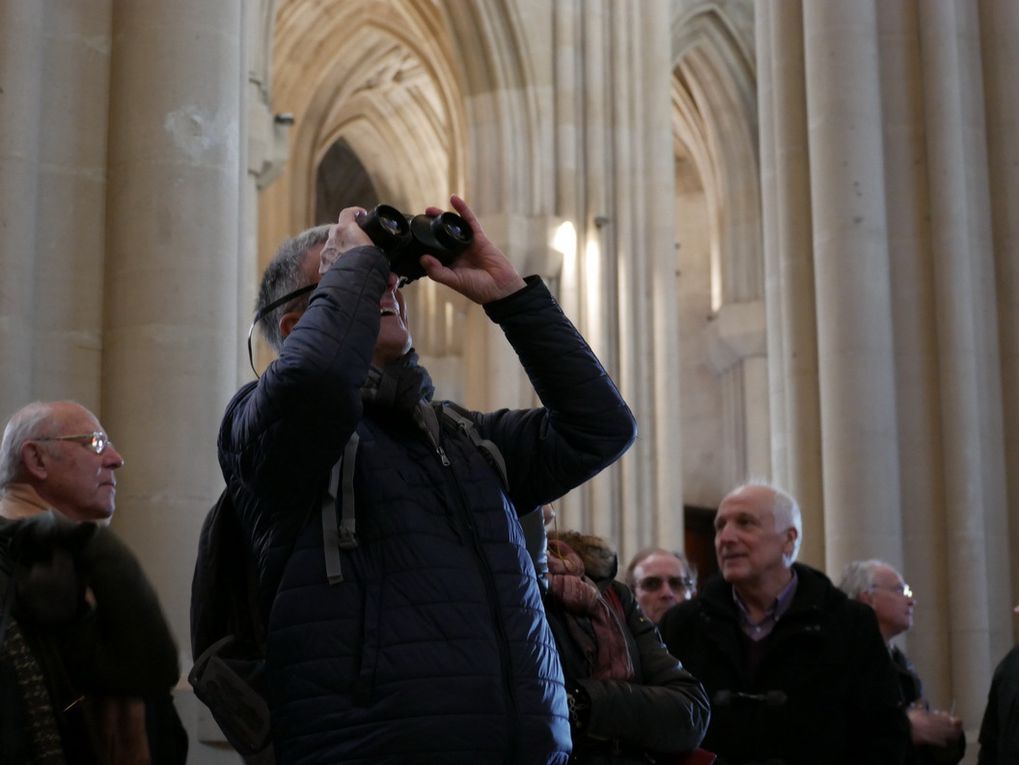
(876, 130)
(169, 361)
(619, 282)
(969, 362)
(789, 277)
(851, 270)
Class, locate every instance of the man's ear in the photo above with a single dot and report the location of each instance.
(33, 460)
(791, 536)
(288, 321)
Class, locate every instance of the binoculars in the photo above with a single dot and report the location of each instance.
(404, 239)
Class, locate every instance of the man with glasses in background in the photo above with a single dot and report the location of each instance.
(936, 736)
(660, 579)
(56, 455)
(87, 660)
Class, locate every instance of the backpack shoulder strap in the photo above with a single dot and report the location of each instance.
(340, 534)
(458, 417)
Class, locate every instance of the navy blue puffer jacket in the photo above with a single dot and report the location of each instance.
(434, 647)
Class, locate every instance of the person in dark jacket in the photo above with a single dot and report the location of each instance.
(631, 701)
(413, 629)
(999, 729)
(85, 622)
(797, 673)
(936, 736)
(86, 655)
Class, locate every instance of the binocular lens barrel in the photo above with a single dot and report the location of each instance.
(404, 239)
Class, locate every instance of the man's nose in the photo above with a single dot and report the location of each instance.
(112, 460)
(392, 282)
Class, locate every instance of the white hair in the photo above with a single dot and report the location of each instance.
(30, 422)
(858, 576)
(785, 510)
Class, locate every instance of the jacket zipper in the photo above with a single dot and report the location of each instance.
(500, 626)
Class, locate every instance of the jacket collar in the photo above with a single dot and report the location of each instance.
(812, 589)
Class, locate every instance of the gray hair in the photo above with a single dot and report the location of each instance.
(785, 509)
(30, 422)
(630, 576)
(284, 274)
(858, 576)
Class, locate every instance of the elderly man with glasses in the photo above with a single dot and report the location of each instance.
(56, 455)
(83, 640)
(936, 736)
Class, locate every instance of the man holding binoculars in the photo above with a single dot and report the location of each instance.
(404, 621)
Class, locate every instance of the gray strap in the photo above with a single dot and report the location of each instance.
(330, 534)
(483, 444)
(348, 519)
(342, 535)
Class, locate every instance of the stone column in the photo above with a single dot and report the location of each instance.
(790, 278)
(170, 355)
(21, 98)
(999, 29)
(661, 433)
(916, 352)
(70, 238)
(851, 273)
(973, 466)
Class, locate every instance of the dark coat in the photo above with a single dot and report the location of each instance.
(911, 692)
(664, 709)
(118, 646)
(435, 647)
(999, 730)
(825, 690)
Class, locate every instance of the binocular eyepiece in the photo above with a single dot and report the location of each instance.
(404, 239)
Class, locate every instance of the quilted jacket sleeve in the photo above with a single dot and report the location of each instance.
(665, 710)
(583, 426)
(281, 433)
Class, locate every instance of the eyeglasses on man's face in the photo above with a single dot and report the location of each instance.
(676, 583)
(900, 589)
(97, 441)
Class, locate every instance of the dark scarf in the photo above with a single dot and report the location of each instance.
(400, 386)
(404, 387)
(607, 654)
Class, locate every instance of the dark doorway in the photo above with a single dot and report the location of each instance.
(699, 539)
(341, 181)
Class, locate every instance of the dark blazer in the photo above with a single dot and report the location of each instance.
(825, 690)
(434, 647)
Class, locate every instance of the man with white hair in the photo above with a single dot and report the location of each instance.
(55, 454)
(796, 671)
(87, 660)
(936, 736)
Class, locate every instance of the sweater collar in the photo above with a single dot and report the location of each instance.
(21, 501)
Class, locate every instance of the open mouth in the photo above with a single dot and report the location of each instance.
(387, 312)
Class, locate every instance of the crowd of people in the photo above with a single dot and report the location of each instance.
(420, 605)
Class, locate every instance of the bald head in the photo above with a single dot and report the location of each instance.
(60, 450)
